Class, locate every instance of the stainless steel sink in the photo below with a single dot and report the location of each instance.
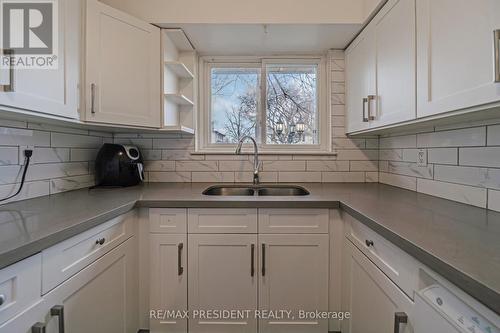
(282, 191)
(230, 191)
(252, 190)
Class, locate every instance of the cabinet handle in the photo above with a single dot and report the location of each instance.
(369, 243)
(370, 99)
(180, 269)
(92, 98)
(365, 118)
(38, 328)
(252, 260)
(58, 310)
(9, 87)
(2, 299)
(100, 241)
(399, 318)
(263, 259)
(497, 55)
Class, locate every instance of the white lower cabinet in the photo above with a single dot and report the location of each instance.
(102, 297)
(222, 276)
(376, 304)
(294, 277)
(168, 281)
(236, 282)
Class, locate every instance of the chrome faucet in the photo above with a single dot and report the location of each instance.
(256, 163)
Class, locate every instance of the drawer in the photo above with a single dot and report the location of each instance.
(222, 220)
(20, 286)
(399, 266)
(63, 260)
(293, 221)
(168, 221)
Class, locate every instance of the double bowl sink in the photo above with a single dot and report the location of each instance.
(256, 190)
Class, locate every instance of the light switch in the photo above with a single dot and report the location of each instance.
(422, 157)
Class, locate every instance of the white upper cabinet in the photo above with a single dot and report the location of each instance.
(380, 66)
(456, 54)
(123, 68)
(394, 33)
(50, 91)
(360, 76)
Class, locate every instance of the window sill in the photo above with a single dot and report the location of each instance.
(267, 152)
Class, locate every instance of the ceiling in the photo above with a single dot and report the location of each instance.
(268, 39)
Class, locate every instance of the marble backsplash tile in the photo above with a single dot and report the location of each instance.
(63, 158)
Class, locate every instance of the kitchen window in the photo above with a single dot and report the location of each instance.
(281, 102)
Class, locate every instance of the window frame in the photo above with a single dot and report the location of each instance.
(203, 135)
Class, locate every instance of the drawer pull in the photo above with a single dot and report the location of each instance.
(263, 259)
(370, 99)
(2, 299)
(497, 55)
(252, 259)
(100, 241)
(9, 87)
(92, 98)
(58, 311)
(365, 118)
(38, 328)
(180, 269)
(399, 318)
(369, 243)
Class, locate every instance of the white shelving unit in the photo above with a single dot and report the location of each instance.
(179, 82)
(179, 69)
(179, 99)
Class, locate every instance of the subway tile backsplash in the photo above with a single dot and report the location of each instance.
(170, 159)
(463, 163)
(63, 158)
(463, 160)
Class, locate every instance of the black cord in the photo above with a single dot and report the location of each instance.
(27, 155)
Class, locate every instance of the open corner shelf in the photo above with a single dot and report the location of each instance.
(179, 69)
(180, 40)
(177, 129)
(179, 99)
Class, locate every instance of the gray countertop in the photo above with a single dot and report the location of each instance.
(460, 242)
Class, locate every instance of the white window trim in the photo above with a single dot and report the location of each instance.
(203, 135)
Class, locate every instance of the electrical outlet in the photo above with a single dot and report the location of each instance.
(21, 153)
(422, 157)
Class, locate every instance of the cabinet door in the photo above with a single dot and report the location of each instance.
(103, 297)
(123, 68)
(293, 276)
(360, 80)
(394, 34)
(371, 298)
(23, 322)
(455, 60)
(222, 276)
(168, 286)
(51, 91)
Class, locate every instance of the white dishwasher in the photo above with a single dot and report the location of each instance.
(438, 310)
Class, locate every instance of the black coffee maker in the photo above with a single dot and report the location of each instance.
(118, 165)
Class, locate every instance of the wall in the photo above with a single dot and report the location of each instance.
(62, 160)
(463, 163)
(256, 11)
(168, 157)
